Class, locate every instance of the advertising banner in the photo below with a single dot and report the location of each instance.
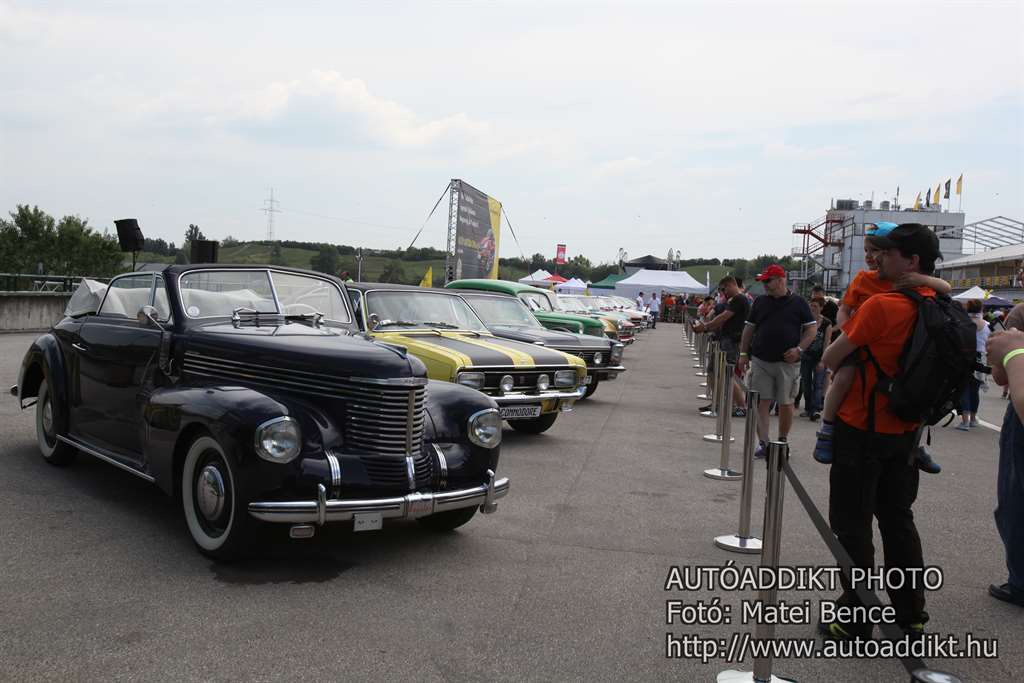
(560, 254)
(477, 234)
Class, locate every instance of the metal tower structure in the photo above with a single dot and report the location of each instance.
(270, 208)
(451, 265)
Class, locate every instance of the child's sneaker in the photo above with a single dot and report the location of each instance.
(924, 461)
(761, 451)
(823, 447)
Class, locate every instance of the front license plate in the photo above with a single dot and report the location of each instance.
(367, 521)
(519, 412)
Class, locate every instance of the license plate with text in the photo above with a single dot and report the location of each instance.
(519, 412)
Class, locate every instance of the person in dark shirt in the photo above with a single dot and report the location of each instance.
(778, 330)
(729, 324)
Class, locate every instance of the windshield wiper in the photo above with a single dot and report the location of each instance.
(316, 316)
(443, 326)
(396, 323)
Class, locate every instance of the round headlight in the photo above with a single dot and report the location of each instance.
(598, 358)
(543, 383)
(279, 440)
(507, 384)
(485, 428)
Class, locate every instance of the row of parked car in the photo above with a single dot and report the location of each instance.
(257, 393)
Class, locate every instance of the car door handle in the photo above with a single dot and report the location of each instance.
(79, 347)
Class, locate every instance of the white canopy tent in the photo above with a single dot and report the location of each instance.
(537, 279)
(974, 292)
(573, 286)
(661, 281)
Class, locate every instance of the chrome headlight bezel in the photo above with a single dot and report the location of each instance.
(598, 358)
(507, 384)
(616, 354)
(278, 440)
(473, 380)
(565, 378)
(484, 428)
(543, 383)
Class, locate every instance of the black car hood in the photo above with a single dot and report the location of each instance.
(324, 350)
(551, 338)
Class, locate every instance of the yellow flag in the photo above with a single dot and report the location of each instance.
(917, 202)
(960, 184)
(938, 194)
(428, 277)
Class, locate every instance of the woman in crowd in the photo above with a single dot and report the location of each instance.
(812, 372)
(971, 398)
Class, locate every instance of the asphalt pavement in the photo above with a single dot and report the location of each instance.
(99, 579)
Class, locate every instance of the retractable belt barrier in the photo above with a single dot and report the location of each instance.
(742, 541)
(779, 469)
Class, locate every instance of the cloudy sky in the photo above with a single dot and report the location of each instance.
(707, 128)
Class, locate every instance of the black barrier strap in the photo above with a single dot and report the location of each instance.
(867, 597)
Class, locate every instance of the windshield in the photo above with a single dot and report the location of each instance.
(212, 293)
(573, 304)
(398, 310)
(502, 310)
(536, 301)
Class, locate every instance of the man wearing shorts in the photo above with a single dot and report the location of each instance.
(778, 330)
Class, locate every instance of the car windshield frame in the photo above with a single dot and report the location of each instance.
(404, 318)
(528, 320)
(280, 306)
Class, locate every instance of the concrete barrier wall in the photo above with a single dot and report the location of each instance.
(31, 311)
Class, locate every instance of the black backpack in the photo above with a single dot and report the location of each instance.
(936, 363)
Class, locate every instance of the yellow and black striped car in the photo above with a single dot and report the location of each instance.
(531, 384)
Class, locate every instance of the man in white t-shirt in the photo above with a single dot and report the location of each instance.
(655, 305)
(640, 302)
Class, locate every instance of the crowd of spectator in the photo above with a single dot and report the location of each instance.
(846, 359)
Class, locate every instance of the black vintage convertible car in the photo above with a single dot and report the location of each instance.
(249, 393)
(508, 317)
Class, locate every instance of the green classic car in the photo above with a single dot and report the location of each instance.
(544, 305)
(531, 384)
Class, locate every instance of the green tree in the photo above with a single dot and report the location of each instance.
(276, 257)
(393, 272)
(326, 261)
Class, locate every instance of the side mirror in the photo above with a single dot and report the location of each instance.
(147, 315)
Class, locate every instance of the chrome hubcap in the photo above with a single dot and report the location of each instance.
(210, 492)
(47, 416)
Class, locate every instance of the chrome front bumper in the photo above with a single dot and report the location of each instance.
(410, 506)
(520, 399)
(610, 372)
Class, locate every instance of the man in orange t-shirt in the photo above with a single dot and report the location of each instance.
(873, 473)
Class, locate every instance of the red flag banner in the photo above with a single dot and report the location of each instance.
(560, 254)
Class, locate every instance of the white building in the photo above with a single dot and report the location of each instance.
(833, 246)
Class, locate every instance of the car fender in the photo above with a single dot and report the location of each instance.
(44, 360)
(230, 413)
(449, 407)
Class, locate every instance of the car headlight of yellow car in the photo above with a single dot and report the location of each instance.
(473, 380)
(565, 378)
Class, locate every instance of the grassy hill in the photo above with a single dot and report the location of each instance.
(373, 266)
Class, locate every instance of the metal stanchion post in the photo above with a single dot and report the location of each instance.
(778, 454)
(702, 362)
(711, 383)
(742, 541)
(718, 407)
(723, 471)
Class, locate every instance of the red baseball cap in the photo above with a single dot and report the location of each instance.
(774, 270)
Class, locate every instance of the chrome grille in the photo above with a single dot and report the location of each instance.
(392, 472)
(381, 416)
